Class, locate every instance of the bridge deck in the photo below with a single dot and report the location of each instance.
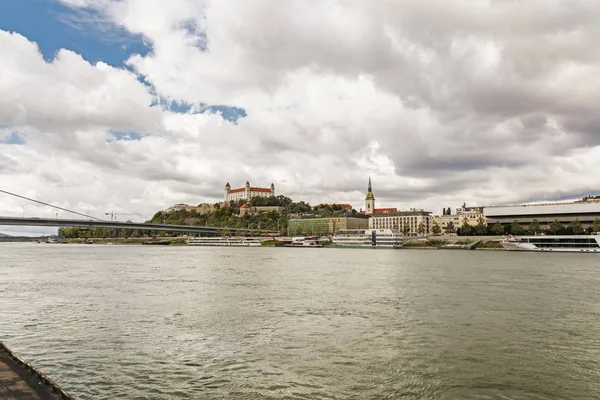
(19, 380)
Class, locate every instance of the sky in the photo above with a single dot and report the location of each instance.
(134, 105)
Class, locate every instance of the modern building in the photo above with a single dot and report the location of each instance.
(247, 192)
(325, 226)
(585, 210)
(410, 220)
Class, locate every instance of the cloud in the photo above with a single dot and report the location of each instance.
(441, 103)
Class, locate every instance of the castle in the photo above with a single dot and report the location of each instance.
(247, 192)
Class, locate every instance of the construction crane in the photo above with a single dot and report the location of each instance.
(113, 215)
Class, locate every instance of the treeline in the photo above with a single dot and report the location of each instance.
(226, 218)
(481, 229)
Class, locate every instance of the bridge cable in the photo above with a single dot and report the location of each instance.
(53, 206)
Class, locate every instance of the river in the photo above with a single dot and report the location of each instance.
(153, 322)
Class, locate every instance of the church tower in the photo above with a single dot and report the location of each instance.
(369, 200)
(227, 190)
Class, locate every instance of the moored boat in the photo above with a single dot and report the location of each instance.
(369, 238)
(304, 242)
(547, 243)
(224, 241)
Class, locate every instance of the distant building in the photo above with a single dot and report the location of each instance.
(176, 207)
(245, 209)
(585, 210)
(247, 192)
(325, 226)
(470, 215)
(399, 220)
(447, 219)
(462, 215)
(203, 208)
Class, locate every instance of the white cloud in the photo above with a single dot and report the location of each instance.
(439, 102)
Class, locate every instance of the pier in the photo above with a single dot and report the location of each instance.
(20, 380)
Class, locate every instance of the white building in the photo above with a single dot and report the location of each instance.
(247, 192)
(412, 220)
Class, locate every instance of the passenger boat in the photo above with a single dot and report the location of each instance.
(223, 241)
(369, 238)
(304, 242)
(547, 243)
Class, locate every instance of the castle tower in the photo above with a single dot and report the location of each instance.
(272, 190)
(247, 188)
(227, 189)
(369, 200)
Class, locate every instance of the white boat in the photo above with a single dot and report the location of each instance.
(369, 238)
(547, 243)
(304, 242)
(223, 241)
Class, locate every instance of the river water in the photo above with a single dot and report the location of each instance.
(145, 322)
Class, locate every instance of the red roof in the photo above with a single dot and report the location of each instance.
(245, 206)
(385, 210)
(263, 190)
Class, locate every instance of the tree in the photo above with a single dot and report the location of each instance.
(450, 229)
(556, 227)
(576, 227)
(421, 228)
(534, 227)
(596, 225)
(515, 228)
(436, 230)
(466, 229)
(405, 229)
(481, 227)
(448, 211)
(498, 229)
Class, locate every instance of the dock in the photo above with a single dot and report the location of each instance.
(20, 380)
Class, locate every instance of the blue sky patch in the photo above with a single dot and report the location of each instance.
(14, 138)
(125, 135)
(54, 26)
(229, 113)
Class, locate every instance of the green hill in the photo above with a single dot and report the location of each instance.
(3, 235)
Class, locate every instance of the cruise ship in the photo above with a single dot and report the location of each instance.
(304, 242)
(546, 243)
(223, 241)
(369, 238)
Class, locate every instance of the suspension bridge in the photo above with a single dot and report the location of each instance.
(89, 222)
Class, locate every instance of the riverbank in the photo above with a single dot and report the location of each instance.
(173, 241)
(417, 244)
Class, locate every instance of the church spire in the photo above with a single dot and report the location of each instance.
(370, 191)
(369, 200)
